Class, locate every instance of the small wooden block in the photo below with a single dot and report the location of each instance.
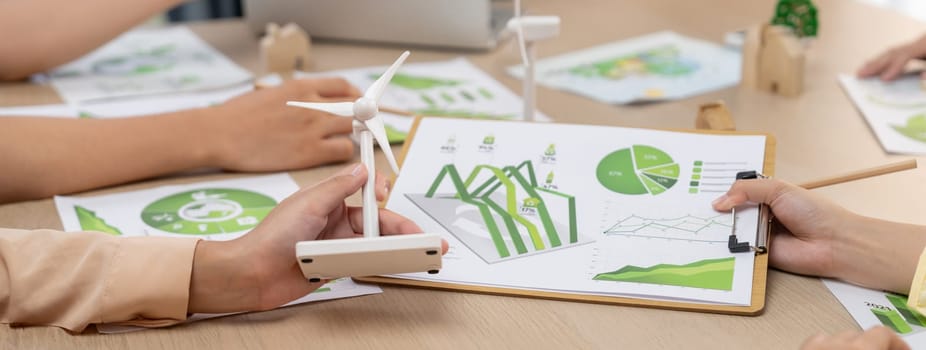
(773, 60)
(752, 43)
(284, 50)
(714, 116)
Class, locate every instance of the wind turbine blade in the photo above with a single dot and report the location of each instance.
(375, 91)
(344, 109)
(376, 127)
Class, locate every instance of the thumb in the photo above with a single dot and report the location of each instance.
(755, 191)
(326, 196)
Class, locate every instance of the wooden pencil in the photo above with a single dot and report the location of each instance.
(862, 174)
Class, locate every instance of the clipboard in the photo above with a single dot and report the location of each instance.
(760, 269)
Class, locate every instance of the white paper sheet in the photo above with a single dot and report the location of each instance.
(59, 110)
(216, 210)
(655, 67)
(131, 108)
(581, 209)
(872, 308)
(161, 103)
(445, 88)
(145, 62)
(895, 111)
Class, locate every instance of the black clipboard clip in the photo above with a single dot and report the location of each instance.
(765, 221)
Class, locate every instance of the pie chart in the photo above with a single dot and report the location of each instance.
(905, 92)
(208, 211)
(637, 170)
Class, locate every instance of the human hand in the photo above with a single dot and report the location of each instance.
(811, 224)
(259, 271)
(890, 64)
(259, 132)
(876, 338)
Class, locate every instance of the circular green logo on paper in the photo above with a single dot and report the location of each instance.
(208, 211)
(637, 170)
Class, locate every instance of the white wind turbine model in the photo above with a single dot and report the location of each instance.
(530, 29)
(372, 254)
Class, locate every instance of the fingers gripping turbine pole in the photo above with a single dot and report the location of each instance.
(373, 254)
(370, 125)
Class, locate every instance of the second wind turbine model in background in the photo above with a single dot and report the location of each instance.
(530, 29)
(372, 254)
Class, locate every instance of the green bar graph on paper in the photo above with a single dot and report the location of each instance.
(427, 99)
(910, 315)
(891, 319)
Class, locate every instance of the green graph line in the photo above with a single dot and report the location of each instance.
(483, 210)
(541, 207)
(511, 203)
(513, 232)
(544, 213)
(477, 192)
(530, 171)
(573, 228)
(509, 223)
(506, 177)
(530, 174)
(707, 222)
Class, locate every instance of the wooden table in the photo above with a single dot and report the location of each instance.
(819, 134)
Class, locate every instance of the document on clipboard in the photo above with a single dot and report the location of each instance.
(586, 213)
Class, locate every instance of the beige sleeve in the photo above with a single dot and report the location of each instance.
(72, 279)
(917, 298)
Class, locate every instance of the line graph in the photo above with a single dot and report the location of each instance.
(688, 227)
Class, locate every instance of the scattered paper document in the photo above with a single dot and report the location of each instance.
(131, 108)
(161, 103)
(216, 210)
(581, 209)
(453, 88)
(872, 308)
(59, 110)
(145, 62)
(655, 67)
(895, 111)
(219, 210)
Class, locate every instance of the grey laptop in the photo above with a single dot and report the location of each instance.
(469, 24)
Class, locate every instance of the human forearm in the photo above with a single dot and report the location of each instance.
(72, 279)
(221, 281)
(878, 254)
(41, 34)
(48, 156)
